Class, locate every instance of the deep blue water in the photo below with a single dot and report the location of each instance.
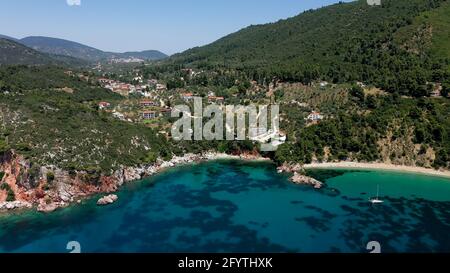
(235, 206)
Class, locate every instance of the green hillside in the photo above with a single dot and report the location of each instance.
(344, 42)
(15, 53)
(49, 123)
(431, 29)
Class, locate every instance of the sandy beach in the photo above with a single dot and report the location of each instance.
(378, 166)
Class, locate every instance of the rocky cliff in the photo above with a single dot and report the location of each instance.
(48, 188)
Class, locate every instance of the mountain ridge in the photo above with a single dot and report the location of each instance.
(12, 52)
(63, 47)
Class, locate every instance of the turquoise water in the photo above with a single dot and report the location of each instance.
(235, 206)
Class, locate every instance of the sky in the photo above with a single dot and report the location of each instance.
(170, 26)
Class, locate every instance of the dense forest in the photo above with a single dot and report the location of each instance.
(399, 47)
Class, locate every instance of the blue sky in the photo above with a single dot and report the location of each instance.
(118, 25)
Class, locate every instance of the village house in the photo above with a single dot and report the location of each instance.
(315, 116)
(166, 112)
(146, 115)
(218, 100)
(262, 135)
(187, 97)
(161, 87)
(147, 103)
(103, 105)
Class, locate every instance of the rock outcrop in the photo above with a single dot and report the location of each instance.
(15, 205)
(107, 200)
(51, 206)
(298, 178)
(305, 180)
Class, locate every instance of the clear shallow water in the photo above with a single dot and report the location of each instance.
(234, 206)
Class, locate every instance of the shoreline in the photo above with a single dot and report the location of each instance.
(68, 195)
(133, 174)
(378, 166)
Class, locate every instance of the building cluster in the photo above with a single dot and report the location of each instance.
(152, 110)
(125, 89)
(263, 135)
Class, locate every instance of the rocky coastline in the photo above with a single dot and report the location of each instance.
(68, 188)
(298, 175)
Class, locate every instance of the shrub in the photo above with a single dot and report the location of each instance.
(4, 187)
(10, 193)
(357, 92)
(11, 196)
(151, 157)
(50, 177)
(3, 146)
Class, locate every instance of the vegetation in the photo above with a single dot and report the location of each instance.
(10, 193)
(342, 43)
(75, 50)
(3, 146)
(391, 131)
(50, 177)
(15, 53)
(50, 126)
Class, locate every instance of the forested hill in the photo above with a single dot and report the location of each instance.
(398, 46)
(15, 53)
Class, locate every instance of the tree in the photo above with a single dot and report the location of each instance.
(442, 159)
(10, 193)
(357, 92)
(445, 90)
(372, 102)
(3, 146)
(11, 197)
(50, 177)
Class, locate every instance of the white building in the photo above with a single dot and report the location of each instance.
(315, 116)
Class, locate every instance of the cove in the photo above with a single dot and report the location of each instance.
(241, 206)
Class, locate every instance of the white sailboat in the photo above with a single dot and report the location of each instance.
(377, 200)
